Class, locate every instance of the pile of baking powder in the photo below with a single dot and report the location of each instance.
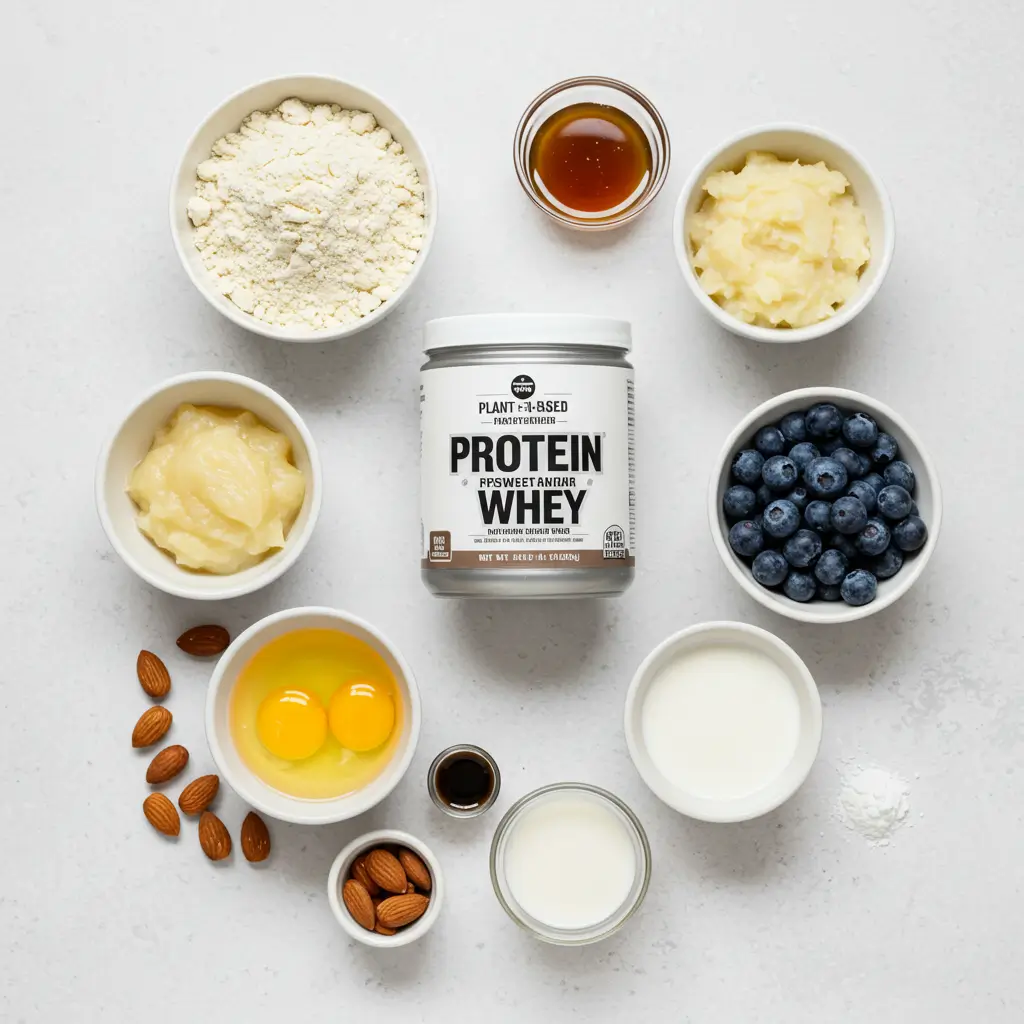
(308, 216)
(873, 803)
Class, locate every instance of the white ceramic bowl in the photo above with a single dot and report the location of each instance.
(791, 141)
(244, 781)
(227, 118)
(928, 496)
(132, 439)
(339, 872)
(771, 795)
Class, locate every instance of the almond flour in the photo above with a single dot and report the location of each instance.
(308, 216)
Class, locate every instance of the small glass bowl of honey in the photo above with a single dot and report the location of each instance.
(592, 152)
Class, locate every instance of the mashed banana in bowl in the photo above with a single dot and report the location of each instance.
(217, 490)
(779, 243)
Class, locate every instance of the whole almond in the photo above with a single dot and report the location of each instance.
(153, 675)
(385, 870)
(199, 794)
(415, 870)
(360, 874)
(166, 764)
(204, 641)
(160, 813)
(359, 904)
(255, 838)
(381, 930)
(214, 837)
(398, 911)
(151, 726)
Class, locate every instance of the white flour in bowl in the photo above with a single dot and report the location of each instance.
(873, 803)
(308, 216)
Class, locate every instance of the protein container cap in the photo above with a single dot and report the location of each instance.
(568, 329)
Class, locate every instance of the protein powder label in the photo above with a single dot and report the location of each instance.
(527, 467)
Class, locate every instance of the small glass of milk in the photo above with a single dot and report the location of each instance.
(570, 863)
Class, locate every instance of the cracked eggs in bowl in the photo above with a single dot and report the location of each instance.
(312, 716)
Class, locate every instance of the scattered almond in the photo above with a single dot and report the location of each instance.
(360, 874)
(415, 870)
(214, 838)
(160, 813)
(384, 868)
(359, 904)
(398, 911)
(204, 641)
(151, 726)
(381, 930)
(199, 794)
(166, 764)
(410, 887)
(255, 840)
(153, 675)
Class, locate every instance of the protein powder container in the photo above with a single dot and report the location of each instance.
(527, 463)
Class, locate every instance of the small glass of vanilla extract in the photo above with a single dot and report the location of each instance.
(592, 152)
(463, 780)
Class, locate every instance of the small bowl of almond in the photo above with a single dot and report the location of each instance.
(386, 888)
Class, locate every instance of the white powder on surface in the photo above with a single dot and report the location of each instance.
(308, 216)
(873, 802)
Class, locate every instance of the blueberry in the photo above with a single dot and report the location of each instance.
(781, 518)
(910, 534)
(764, 495)
(823, 420)
(849, 460)
(827, 592)
(900, 474)
(799, 586)
(792, 427)
(844, 545)
(802, 548)
(867, 494)
(831, 567)
(888, 563)
(799, 497)
(874, 538)
(914, 510)
(746, 467)
(894, 502)
(770, 568)
(859, 588)
(803, 453)
(833, 444)
(874, 481)
(885, 449)
(739, 502)
(780, 473)
(769, 441)
(849, 515)
(860, 430)
(746, 538)
(818, 516)
(864, 464)
(825, 478)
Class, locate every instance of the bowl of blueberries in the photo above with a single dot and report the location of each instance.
(825, 506)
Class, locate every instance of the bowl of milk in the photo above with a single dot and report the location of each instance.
(723, 721)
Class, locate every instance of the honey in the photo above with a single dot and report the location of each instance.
(590, 160)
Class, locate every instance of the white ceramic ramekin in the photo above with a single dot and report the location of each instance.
(340, 870)
(775, 792)
(132, 439)
(237, 773)
(928, 496)
(267, 95)
(793, 142)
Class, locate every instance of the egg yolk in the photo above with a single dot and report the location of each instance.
(362, 716)
(291, 724)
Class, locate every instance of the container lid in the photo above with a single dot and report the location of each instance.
(528, 329)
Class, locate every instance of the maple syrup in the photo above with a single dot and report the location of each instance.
(590, 160)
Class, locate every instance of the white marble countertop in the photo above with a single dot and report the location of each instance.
(789, 918)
